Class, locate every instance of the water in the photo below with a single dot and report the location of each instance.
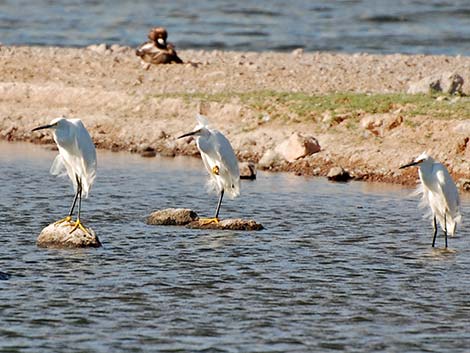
(375, 26)
(340, 267)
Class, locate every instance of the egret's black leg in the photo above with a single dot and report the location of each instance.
(220, 203)
(75, 198)
(435, 231)
(79, 197)
(78, 223)
(445, 228)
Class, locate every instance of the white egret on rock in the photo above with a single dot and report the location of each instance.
(219, 159)
(77, 158)
(439, 192)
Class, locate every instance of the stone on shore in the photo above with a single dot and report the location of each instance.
(338, 174)
(247, 170)
(298, 146)
(447, 82)
(189, 218)
(59, 236)
(269, 159)
(172, 217)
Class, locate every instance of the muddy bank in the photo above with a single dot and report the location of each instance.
(128, 108)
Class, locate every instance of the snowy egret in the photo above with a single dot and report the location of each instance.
(220, 161)
(439, 192)
(77, 158)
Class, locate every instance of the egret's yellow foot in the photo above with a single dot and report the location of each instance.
(205, 221)
(215, 170)
(66, 219)
(79, 224)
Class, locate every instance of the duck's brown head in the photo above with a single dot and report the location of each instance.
(159, 36)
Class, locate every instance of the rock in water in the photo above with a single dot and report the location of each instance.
(172, 217)
(228, 224)
(247, 170)
(189, 218)
(4, 276)
(58, 236)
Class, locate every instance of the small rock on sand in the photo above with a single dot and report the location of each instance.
(269, 159)
(447, 82)
(298, 146)
(59, 236)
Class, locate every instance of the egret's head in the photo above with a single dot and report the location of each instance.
(200, 129)
(422, 158)
(54, 124)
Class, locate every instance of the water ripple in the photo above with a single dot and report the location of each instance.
(339, 266)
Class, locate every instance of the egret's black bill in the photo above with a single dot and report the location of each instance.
(42, 127)
(188, 134)
(409, 165)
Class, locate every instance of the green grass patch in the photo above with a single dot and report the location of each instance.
(306, 106)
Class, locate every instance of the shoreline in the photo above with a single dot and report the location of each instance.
(258, 100)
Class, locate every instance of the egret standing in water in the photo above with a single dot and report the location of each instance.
(77, 158)
(219, 159)
(440, 193)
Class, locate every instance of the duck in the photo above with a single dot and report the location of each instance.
(157, 50)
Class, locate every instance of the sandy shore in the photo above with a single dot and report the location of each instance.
(128, 108)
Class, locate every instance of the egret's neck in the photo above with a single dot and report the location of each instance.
(426, 175)
(62, 138)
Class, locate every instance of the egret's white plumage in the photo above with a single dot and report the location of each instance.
(219, 159)
(77, 153)
(439, 192)
(216, 150)
(77, 159)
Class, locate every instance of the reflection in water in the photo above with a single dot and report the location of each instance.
(339, 266)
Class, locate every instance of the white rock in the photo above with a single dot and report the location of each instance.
(269, 159)
(59, 236)
(298, 146)
(447, 82)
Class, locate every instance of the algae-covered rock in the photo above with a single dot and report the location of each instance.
(60, 236)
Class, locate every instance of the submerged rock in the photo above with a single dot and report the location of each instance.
(227, 224)
(247, 170)
(59, 236)
(189, 218)
(4, 276)
(172, 217)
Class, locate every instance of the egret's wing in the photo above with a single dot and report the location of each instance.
(228, 163)
(86, 150)
(450, 200)
(448, 189)
(58, 166)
